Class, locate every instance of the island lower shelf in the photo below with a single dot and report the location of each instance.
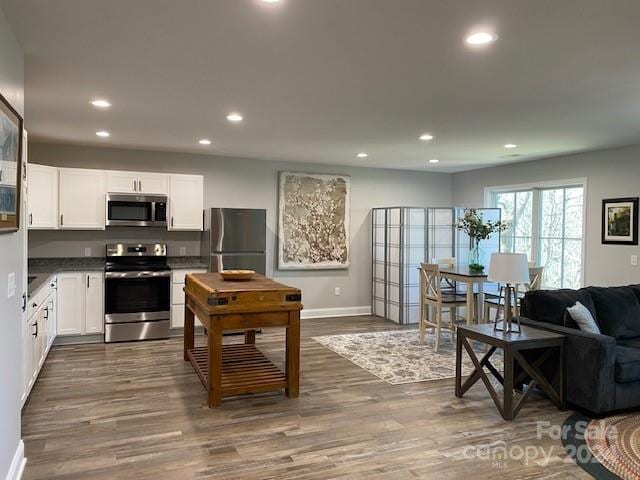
(244, 370)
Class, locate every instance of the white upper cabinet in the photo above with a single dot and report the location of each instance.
(186, 202)
(136, 182)
(81, 199)
(42, 197)
(152, 183)
(122, 182)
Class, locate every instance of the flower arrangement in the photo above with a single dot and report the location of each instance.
(477, 229)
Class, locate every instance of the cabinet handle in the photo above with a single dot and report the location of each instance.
(35, 334)
(31, 219)
(139, 185)
(46, 313)
(171, 222)
(24, 302)
(135, 188)
(61, 219)
(88, 280)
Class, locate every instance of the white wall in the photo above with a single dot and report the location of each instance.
(231, 182)
(610, 173)
(11, 248)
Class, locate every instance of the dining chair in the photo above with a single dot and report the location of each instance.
(497, 304)
(433, 296)
(449, 285)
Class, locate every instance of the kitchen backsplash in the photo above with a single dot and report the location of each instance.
(70, 243)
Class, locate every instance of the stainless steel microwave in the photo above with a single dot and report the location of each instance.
(136, 210)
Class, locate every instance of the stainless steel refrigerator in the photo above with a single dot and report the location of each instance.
(235, 238)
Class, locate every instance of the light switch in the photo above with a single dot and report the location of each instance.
(634, 260)
(336, 291)
(11, 285)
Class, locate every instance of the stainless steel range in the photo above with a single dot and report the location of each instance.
(137, 293)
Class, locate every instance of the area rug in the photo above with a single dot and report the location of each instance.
(397, 357)
(615, 443)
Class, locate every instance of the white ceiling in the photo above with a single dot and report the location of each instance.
(321, 80)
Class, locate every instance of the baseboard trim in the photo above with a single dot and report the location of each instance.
(335, 312)
(17, 464)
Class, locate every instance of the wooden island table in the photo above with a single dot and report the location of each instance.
(220, 305)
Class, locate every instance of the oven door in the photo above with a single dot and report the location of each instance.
(137, 296)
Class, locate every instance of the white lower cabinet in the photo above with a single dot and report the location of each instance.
(38, 334)
(177, 296)
(80, 303)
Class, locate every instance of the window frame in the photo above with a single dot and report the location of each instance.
(536, 223)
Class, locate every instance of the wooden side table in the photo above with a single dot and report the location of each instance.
(512, 344)
(242, 305)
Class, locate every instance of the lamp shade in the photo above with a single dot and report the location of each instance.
(509, 268)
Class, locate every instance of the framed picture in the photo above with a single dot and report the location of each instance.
(313, 221)
(620, 221)
(10, 166)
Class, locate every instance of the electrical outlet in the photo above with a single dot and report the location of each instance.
(336, 291)
(183, 251)
(11, 285)
(87, 252)
(634, 260)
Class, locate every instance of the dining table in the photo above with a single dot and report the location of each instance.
(474, 281)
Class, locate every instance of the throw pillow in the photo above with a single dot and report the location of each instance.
(582, 316)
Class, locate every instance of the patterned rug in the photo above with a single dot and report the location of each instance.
(615, 443)
(397, 356)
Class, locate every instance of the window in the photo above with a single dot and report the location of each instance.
(546, 223)
(517, 209)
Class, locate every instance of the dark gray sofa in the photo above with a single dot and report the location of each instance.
(603, 370)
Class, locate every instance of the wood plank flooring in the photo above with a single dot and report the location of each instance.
(138, 411)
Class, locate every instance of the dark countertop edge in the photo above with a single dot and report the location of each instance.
(45, 268)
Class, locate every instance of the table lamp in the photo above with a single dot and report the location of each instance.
(510, 269)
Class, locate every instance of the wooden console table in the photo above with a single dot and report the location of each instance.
(241, 305)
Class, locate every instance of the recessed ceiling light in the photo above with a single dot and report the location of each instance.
(426, 137)
(101, 103)
(481, 38)
(103, 133)
(204, 141)
(434, 160)
(363, 155)
(234, 117)
(271, 1)
(510, 145)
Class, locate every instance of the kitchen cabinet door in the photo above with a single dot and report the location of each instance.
(122, 182)
(152, 183)
(186, 202)
(94, 304)
(71, 300)
(42, 197)
(81, 199)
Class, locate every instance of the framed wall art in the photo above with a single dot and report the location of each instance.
(620, 221)
(10, 166)
(313, 221)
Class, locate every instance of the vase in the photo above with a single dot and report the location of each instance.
(475, 262)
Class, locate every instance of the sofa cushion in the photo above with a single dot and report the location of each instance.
(627, 364)
(617, 311)
(629, 342)
(636, 290)
(550, 306)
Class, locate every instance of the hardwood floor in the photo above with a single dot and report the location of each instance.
(138, 411)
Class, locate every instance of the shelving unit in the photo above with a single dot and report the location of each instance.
(404, 237)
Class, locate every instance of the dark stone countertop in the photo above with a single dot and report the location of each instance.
(44, 268)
